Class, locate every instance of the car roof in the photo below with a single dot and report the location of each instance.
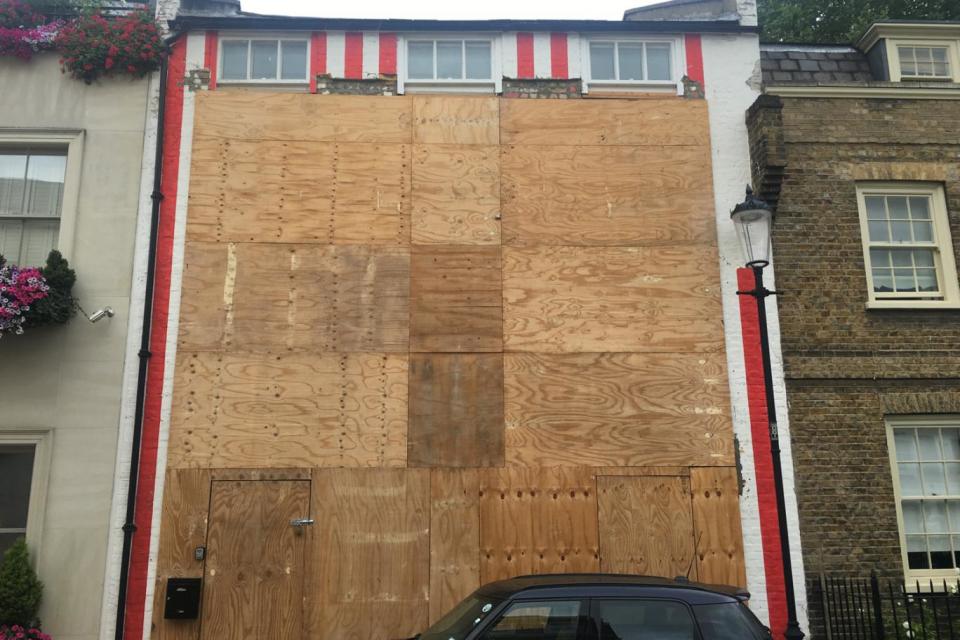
(612, 585)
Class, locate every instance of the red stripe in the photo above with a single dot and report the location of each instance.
(558, 55)
(388, 54)
(353, 56)
(318, 58)
(762, 456)
(143, 515)
(524, 55)
(694, 57)
(210, 56)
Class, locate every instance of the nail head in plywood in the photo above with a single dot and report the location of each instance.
(454, 538)
(456, 120)
(716, 519)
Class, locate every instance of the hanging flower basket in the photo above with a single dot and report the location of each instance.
(24, 31)
(31, 297)
(94, 46)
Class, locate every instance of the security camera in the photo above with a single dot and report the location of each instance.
(100, 313)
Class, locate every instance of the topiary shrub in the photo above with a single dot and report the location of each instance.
(59, 305)
(20, 590)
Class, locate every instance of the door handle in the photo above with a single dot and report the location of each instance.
(301, 522)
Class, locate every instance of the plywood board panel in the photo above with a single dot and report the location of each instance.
(456, 410)
(456, 300)
(668, 121)
(617, 409)
(537, 521)
(256, 410)
(260, 115)
(371, 554)
(454, 537)
(203, 304)
(607, 195)
(646, 526)
(456, 120)
(716, 520)
(612, 299)
(370, 197)
(456, 194)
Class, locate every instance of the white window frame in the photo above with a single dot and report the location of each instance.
(249, 38)
(893, 59)
(944, 260)
(914, 422)
(408, 85)
(42, 440)
(72, 141)
(677, 57)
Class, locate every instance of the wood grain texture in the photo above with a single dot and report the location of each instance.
(612, 299)
(606, 195)
(261, 115)
(646, 526)
(203, 303)
(456, 194)
(456, 120)
(371, 554)
(456, 299)
(659, 122)
(370, 199)
(716, 520)
(255, 565)
(454, 538)
(456, 410)
(617, 409)
(257, 410)
(537, 521)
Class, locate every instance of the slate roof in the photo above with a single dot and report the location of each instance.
(813, 64)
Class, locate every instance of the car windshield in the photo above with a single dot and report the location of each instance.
(462, 619)
(729, 621)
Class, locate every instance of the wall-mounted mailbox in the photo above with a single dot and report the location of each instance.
(183, 599)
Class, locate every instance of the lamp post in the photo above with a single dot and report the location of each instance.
(753, 219)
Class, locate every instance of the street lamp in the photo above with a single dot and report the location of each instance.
(753, 219)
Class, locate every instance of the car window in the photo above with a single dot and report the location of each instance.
(729, 621)
(462, 619)
(540, 620)
(643, 620)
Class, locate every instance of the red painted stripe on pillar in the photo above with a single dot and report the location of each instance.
(143, 514)
(525, 55)
(353, 56)
(694, 49)
(318, 58)
(558, 56)
(762, 456)
(388, 54)
(210, 44)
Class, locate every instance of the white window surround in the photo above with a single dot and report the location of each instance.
(407, 85)
(948, 296)
(42, 439)
(248, 37)
(678, 61)
(72, 141)
(893, 58)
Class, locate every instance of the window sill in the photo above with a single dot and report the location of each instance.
(609, 87)
(433, 86)
(913, 305)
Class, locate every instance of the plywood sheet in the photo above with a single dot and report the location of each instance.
(261, 115)
(668, 121)
(646, 526)
(456, 299)
(454, 537)
(256, 410)
(203, 305)
(617, 409)
(370, 197)
(537, 521)
(456, 120)
(607, 195)
(612, 299)
(371, 554)
(716, 520)
(456, 410)
(456, 194)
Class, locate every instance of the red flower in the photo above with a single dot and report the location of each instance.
(87, 67)
(108, 63)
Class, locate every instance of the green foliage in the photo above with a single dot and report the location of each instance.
(59, 305)
(842, 21)
(20, 590)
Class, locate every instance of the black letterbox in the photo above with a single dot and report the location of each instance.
(183, 599)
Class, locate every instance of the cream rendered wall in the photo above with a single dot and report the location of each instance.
(69, 379)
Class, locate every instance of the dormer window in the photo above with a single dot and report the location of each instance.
(924, 62)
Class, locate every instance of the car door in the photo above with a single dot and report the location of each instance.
(547, 619)
(641, 619)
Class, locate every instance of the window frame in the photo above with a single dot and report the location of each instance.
(593, 621)
(249, 38)
(914, 422)
(407, 85)
(944, 259)
(42, 440)
(584, 620)
(893, 59)
(678, 64)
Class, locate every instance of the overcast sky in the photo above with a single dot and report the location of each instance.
(448, 9)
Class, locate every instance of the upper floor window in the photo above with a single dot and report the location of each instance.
(31, 199)
(630, 61)
(924, 62)
(263, 60)
(907, 248)
(17, 461)
(468, 63)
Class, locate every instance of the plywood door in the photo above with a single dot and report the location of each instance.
(253, 579)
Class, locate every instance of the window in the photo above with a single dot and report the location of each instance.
(631, 61)
(924, 62)
(642, 620)
(452, 63)
(544, 620)
(926, 468)
(17, 462)
(31, 199)
(267, 60)
(729, 621)
(907, 249)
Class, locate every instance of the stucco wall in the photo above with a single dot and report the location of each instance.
(68, 379)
